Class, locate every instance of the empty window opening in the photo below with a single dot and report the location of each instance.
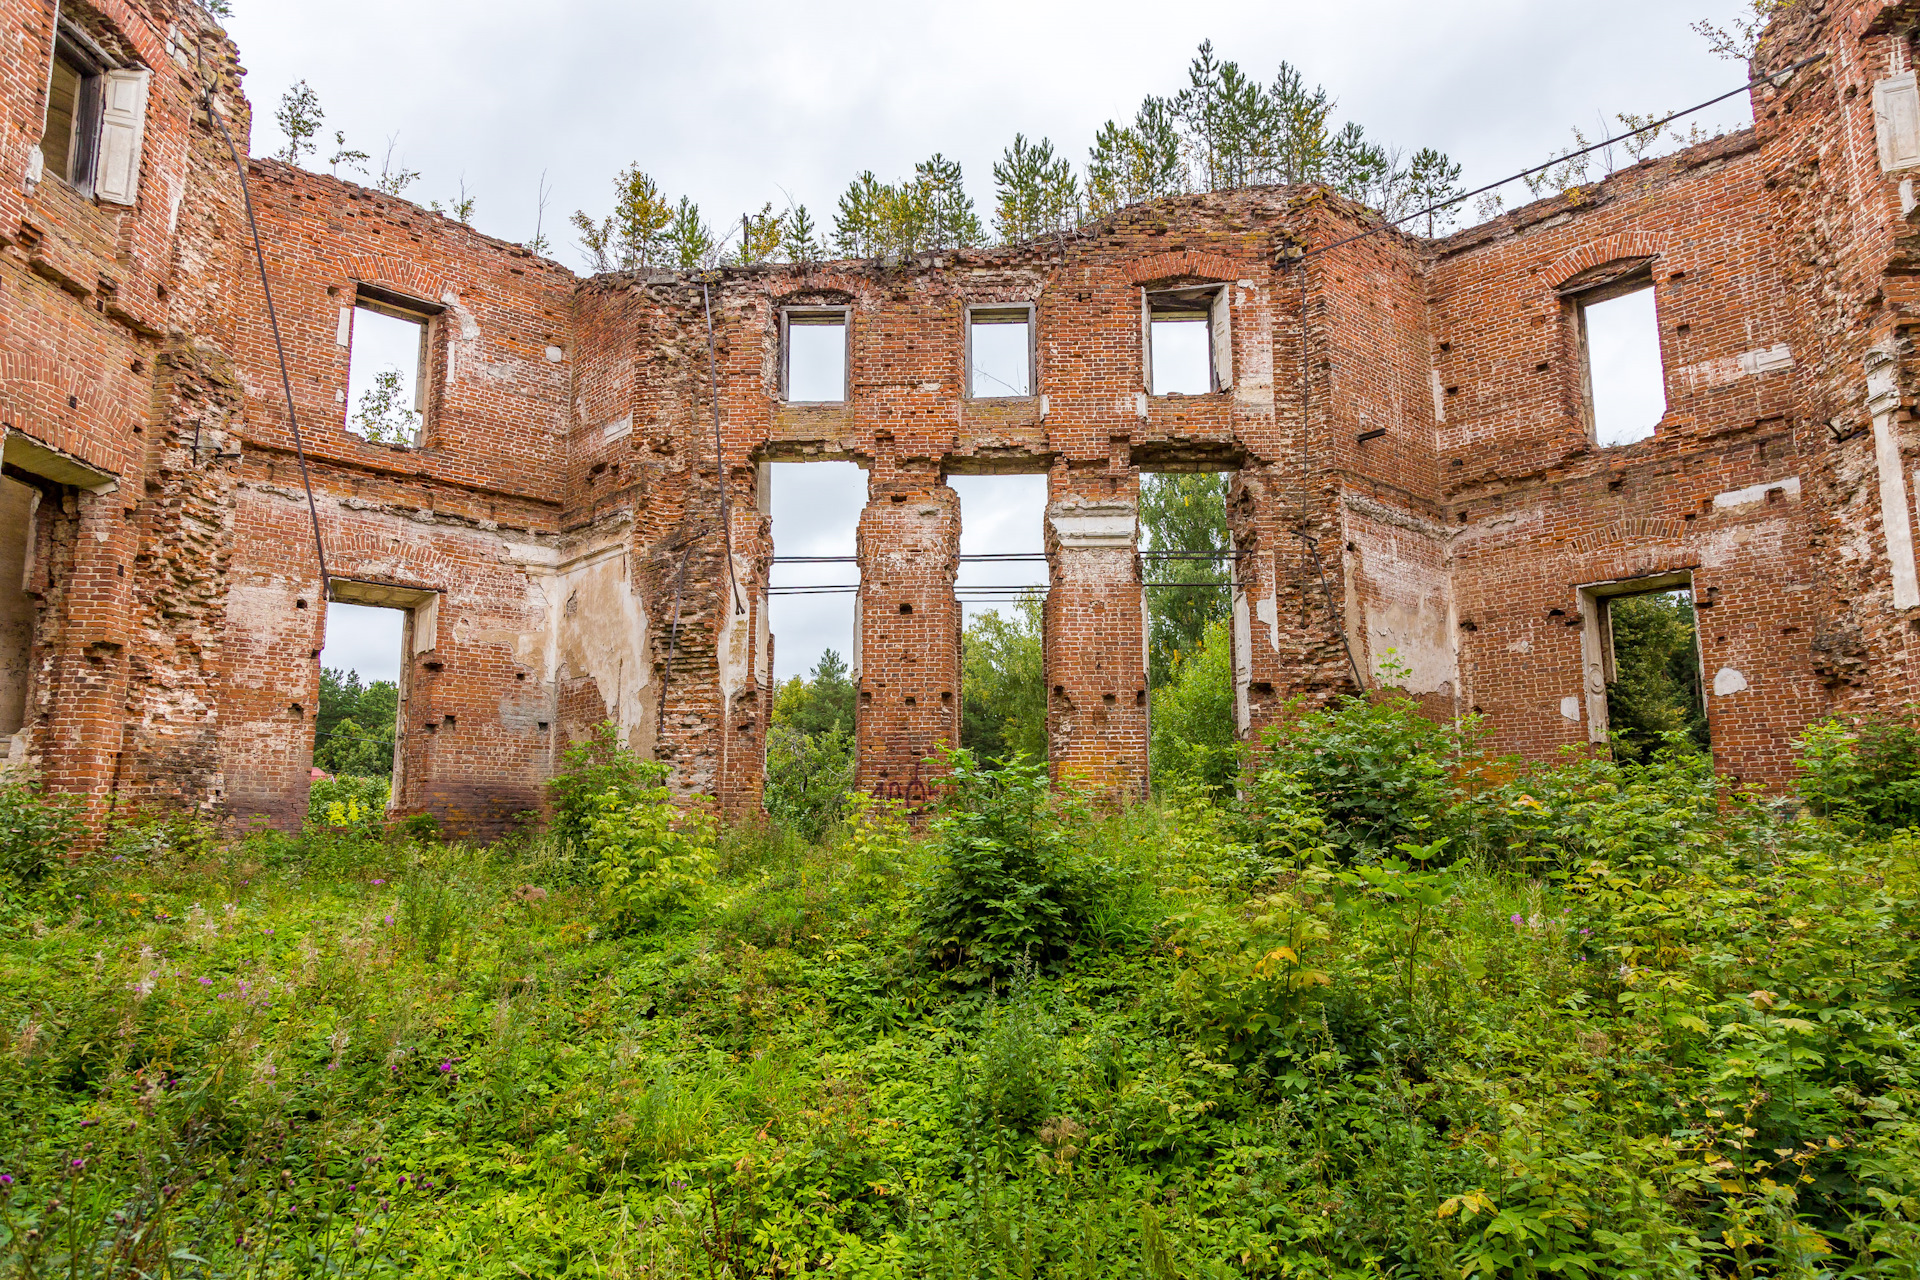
(811, 609)
(1626, 382)
(999, 352)
(1188, 352)
(816, 356)
(1654, 694)
(361, 678)
(386, 370)
(1186, 566)
(1003, 706)
(19, 505)
(72, 135)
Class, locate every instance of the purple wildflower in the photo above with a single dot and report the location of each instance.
(389, 919)
(79, 1163)
(379, 882)
(6, 1179)
(1515, 917)
(206, 982)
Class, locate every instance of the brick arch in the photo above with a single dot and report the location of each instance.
(1627, 549)
(397, 274)
(1190, 262)
(1623, 244)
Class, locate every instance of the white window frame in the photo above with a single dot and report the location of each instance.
(787, 315)
(1033, 347)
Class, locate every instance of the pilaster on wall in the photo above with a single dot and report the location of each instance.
(907, 666)
(90, 687)
(1096, 633)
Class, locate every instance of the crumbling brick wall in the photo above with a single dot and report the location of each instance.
(581, 533)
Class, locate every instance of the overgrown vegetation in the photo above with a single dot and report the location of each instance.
(1385, 1007)
(353, 734)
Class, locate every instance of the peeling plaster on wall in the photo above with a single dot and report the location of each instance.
(1570, 707)
(1242, 662)
(602, 634)
(1728, 681)
(1399, 583)
(1790, 486)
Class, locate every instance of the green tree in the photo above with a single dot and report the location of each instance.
(383, 415)
(1184, 514)
(1003, 707)
(353, 732)
(634, 235)
(930, 210)
(1128, 164)
(820, 703)
(1656, 664)
(1193, 719)
(1036, 193)
(299, 117)
(762, 235)
(800, 238)
(689, 240)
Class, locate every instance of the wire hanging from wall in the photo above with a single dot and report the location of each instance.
(273, 319)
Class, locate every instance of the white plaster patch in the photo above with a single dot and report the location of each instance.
(618, 427)
(1757, 492)
(1895, 521)
(1094, 524)
(1522, 645)
(1269, 612)
(1727, 369)
(555, 355)
(1570, 707)
(1727, 680)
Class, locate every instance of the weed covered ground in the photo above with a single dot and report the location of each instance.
(1379, 1014)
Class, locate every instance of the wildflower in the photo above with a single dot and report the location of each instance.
(403, 1179)
(1585, 932)
(269, 933)
(206, 982)
(79, 1163)
(445, 1067)
(1516, 919)
(389, 919)
(377, 883)
(6, 1179)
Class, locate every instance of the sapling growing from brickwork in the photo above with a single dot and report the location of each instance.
(299, 117)
(383, 416)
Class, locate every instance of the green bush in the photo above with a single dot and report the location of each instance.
(1864, 773)
(1012, 879)
(1194, 719)
(649, 858)
(1378, 772)
(37, 831)
(809, 778)
(589, 770)
(348, 804)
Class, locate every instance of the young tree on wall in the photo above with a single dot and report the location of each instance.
(1129, 164)
(634, 235)
(299, 117)
(930, 210)
(1036, 193)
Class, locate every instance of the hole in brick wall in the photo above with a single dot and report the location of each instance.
(541, 726)
(912, 701)
(815, 359)
(999, 352)
(299, 604)
(815, 509)
(361, 698)
(1626, 383)
(1109, 699)
(296, 711)
(946, 698)
(1139, 697)
(1614, 486)
(519, 675)
(449, 721)
(906, 608)
(386, 370)
(1002, 698)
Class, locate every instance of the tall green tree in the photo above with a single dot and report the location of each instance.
(1186, 515)
(1129, 164)
(634, 235)
(1035, 191)
(819, 703)
(931, 210)
(353, 732)
(1003, 707)
(1656, 667)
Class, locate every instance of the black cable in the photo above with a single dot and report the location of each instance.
(273, 320)
(1776, 78)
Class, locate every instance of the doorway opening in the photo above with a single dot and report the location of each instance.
(812, 595)
(19, 508)
(1186, 567)
(358, 755)
(1644, 651)
(1001, 587)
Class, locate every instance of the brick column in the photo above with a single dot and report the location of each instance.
(1096, 634)
(89, 685)
(1285, 642)
(906, 662)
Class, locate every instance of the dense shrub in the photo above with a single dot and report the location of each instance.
(1377, 771)
(1012, 879)
(1864, 773)
(588, 770)
(809, 779)
(348, 803)
(1193, 721)
(37, 831)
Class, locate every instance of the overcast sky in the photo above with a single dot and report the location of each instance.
(741, 104)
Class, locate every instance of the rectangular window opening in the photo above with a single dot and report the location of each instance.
(999, 352)
(362, 700)
(1187, 348)
(813, 613)
(387, 370)
(70, 142)
(1187, 572)
(815, 368)
(1626, 380)
(19, 507)
(1003, 696)
(1642, 642)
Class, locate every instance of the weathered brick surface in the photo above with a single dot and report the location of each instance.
(1413, 479)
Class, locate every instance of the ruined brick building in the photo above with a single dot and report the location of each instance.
(579, 532)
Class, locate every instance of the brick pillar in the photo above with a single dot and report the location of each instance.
(89, 694)
(1096, 648)
(1285, 642)
(906, 664)
(746, 658)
